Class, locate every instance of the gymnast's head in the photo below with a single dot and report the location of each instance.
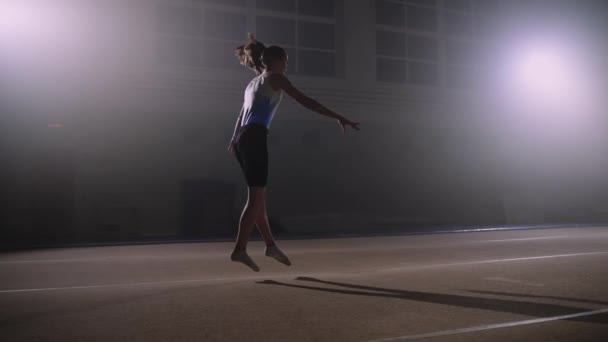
(259, 58)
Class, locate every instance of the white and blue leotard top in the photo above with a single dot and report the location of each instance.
(261, 101)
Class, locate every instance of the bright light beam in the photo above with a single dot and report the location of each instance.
(545, 76)
(543, 71)
(548, 77)
(30, 20)
(550, 107)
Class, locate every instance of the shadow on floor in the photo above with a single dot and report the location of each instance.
(493, 304)
(511, 294)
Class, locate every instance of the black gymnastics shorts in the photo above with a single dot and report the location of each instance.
(252, 153)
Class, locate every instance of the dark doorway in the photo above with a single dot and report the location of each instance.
(208, 208)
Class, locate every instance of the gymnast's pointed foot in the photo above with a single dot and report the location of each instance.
(275, 252)
(241, 256)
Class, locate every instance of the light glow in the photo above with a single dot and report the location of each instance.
(548, 83)
(543, 72)
(29, 21)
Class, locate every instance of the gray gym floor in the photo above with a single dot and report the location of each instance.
(519, 285)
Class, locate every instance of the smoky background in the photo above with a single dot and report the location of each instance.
(116, 117)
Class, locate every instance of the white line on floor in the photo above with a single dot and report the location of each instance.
(289, 275)
(524, 239)
(308, 251)
(111, 258)
(492, 326)
(513, 281)
(391, 269)
(208, 280)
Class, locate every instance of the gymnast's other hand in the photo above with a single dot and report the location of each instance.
(232, 147)
(345, 122)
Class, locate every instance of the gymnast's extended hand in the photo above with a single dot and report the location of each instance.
(345, 122)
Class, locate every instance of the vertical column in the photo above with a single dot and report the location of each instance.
(359, 40)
